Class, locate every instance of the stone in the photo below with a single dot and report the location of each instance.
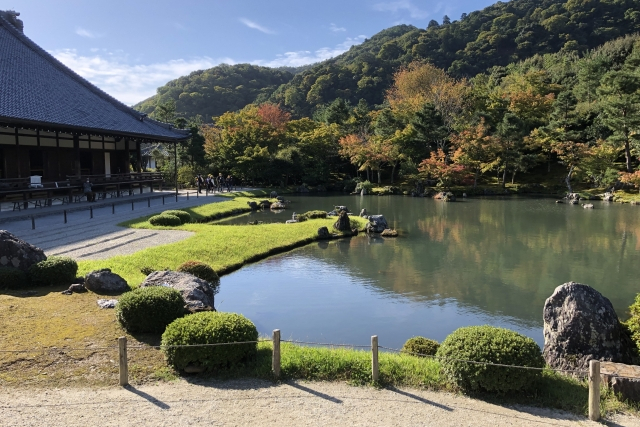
(343, 223)
(198, 294)
(341, 208)
(363, 192)
(193, 369)
(629, 388)
(280, 199)
(278, 206)
(291, 221)
(264, 204)
(559, 201)
(445, 196)
(608, 197)
(376, 224)
(302, 189)
(323, 233)
(572, 196)
(253, 205)
(77, 288)
(107, 303)
(17, 253)
(274, 194)
(580, 325)
(389, 233)
(363, 213)
(104, 282)
(573, 202)
(587, 206)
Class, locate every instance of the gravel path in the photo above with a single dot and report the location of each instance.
(259, 403)
(85, 238)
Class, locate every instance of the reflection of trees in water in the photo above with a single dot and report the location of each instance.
(502, 257)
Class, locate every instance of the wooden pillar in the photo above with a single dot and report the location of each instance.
(375, 370)
(19, 160)
(59, 156)
(76, 152)
(138, 156)
(275, 360)
(594, 390)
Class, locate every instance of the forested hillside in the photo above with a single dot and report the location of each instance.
(212, 92)
(495, 36)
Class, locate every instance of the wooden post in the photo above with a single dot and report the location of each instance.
(91, 212)
(275, 363)
(594, 390)
(124, 369)
(113, 208)
(374, 358)
(65, 216)
(33, 223)
(149, 202)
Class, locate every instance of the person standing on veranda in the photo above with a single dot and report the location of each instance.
(88, 192)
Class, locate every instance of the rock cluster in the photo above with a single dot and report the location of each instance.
(343, 223)
(16, 253)
(376, 224)
(104, 282)
(198, 294)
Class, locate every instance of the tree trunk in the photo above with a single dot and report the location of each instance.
(627, 155)
(513, 177)
(379, 175)
(475, 179)
(393, 170)
(504, 175)
(568, 179)
(549, 163)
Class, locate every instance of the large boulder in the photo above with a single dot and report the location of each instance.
(278, 206)
(445, 196)
(198, 294)
(343, 223)
(17, 253)
(104, 282)
(253, 206)
(580, 325)
(377, 224)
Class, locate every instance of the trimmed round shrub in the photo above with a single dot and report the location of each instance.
(165, 220)
(13, 278)
(149, 309)
(311, 215)
(420, 345)
(210, 327)
(53, 271)
(185, 217)
(494, 345)
(201, 271)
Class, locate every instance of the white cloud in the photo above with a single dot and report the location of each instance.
(256, 26)
(401, 5)
(113, 71)
(88, 34)
(130, 83)
(303, 57)
(333, 27)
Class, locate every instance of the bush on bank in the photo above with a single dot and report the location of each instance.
(165, 220)
(185, 217)
(202, 271)
(149, 309)
(210, 328)
(53, 271)
(420, 345)
(13, 278)
(493, 345)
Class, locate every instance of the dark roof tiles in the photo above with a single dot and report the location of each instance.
(37, 88)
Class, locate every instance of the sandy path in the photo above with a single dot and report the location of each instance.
(258, 403)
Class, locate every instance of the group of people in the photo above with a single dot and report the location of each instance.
(215, 183)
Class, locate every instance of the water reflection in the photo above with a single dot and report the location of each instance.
(474, 262)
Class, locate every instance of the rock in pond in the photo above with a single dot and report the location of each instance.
(253, 205)
(376, 224)
(278, 206)
(587, 206)
(341, 208)
(445, 196)
(198, 294)
(16, 253)
(363, 213)
(579, 325)
(104, 282)
(274, 194)
(389, 233)
(323, 233)
(608, 197)
(343, 223)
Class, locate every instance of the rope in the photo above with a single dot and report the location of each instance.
(483, 363)
(63, 349)
(160, 347)
(326, 344)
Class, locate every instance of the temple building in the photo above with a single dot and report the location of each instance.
(57, 126)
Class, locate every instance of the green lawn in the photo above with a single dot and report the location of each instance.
(224, 247)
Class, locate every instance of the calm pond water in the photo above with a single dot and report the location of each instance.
(479, 261)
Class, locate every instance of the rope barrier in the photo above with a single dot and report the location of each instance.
(483, 363)
(54, 349)
(326, 344)
(160, 347)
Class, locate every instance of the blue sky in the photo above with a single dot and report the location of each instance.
(129, 48)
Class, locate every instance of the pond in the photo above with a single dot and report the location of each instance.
(478, 261)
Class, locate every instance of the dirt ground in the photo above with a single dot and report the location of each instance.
(259, 403)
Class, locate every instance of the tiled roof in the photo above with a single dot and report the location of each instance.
(36, 88)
